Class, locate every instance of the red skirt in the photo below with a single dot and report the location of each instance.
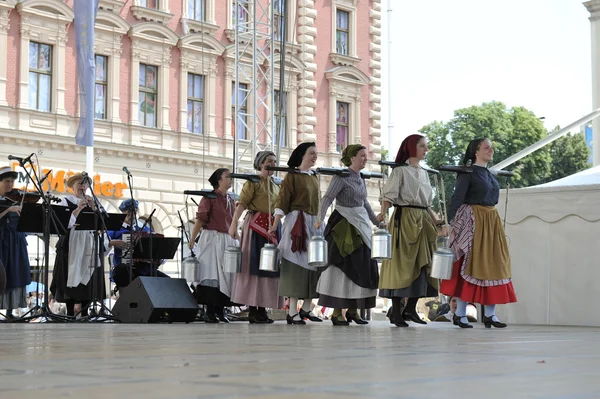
(468, 292)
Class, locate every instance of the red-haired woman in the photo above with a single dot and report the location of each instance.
(413, 229)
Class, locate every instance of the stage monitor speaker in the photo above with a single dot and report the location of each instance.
(155, 300)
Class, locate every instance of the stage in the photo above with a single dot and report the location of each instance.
(238, 360)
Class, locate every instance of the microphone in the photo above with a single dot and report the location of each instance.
(21, 160)
(126, 170)
(46, 176)
(86, 177)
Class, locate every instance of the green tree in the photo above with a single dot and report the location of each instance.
(384, 157)
(569, 155)
(509, 129)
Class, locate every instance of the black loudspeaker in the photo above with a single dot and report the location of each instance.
(154, 300)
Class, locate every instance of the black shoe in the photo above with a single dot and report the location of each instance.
(220, 313)
(400, 323)
(262, 313)
(254, 319)
(290, 320)
(210, 318)
(354, 317)
(259, 319)
(339, 321)
(489, 322)
(413, 317)
(307, 315)
(457, 322)
(390, 314)
(396, 315)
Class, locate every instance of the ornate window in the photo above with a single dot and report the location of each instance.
(40, 76)
(281, 99)
(109, 31)
(345, 97)
(151, 47)
(278, 20)
(342, 32)
(244, 76)
(196, 10)
(199, 54)
(199, 16)
(101, 86)
(195, 103)
(44, 22)
(343, 39)
(148, 95)
(152, 10)
(342, 121)
(293, 68)
(281, 9)
(240, 15)
(240, 11)
(6, 8)
(239, 124)
(153, 4)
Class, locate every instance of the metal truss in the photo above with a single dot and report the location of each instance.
(254, 67)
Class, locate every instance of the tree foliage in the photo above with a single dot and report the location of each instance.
(510, 130)
(569, 155)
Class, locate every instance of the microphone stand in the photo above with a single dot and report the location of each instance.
(49, 217)
(133, 225)
(149, 222)
(184, 235)
(138, 239)
(97, 263)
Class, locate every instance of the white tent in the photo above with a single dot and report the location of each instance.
(554, 231)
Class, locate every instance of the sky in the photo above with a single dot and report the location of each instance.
(452, 54)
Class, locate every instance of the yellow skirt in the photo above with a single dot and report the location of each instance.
(412, 249)
(490, 259)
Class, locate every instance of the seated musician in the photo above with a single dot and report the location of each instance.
(120, 266)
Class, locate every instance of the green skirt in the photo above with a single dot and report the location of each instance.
(298, 282)
(413, 244)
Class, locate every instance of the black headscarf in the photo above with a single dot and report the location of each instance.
(297, 155)
(469, 157)
(216, 176)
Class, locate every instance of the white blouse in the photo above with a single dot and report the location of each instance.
(408, 185)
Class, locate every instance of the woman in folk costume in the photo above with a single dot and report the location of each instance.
(482, 269)
(350, 280)
(75, 278)
(13, 248)
(253, 287)
(298, 200)
(413, 229)
(214, 217)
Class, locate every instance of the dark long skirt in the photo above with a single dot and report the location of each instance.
(354, 284)
(94, 289)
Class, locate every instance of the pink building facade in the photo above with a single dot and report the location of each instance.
(165, 72)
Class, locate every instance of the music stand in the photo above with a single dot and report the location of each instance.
(86, 221)
(163, 248)
(32, 218)
(32, 221)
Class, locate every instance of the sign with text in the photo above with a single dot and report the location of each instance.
(57, 182)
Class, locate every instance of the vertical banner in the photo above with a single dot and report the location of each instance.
(85, 19)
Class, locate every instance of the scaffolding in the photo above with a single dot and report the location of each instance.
(254, 91)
